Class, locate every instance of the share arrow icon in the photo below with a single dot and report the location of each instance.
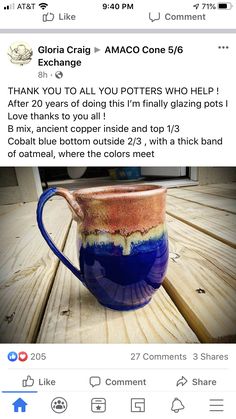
(182, 381)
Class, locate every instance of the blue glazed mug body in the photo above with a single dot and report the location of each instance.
(122, 242)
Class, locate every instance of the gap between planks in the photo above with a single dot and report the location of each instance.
(36, 332)
(220, 225)
(211, 201)
(213, 190)
(199, 262)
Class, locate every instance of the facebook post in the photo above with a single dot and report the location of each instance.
(117, 209)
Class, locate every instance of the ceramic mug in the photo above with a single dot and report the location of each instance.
(122, 241)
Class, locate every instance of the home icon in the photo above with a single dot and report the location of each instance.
(19, 405)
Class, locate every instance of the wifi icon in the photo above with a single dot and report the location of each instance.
(43, 5)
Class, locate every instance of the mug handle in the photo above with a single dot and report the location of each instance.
(78, 214)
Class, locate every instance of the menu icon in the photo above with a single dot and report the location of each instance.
(216, 405)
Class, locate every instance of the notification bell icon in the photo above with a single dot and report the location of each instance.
(177, 405)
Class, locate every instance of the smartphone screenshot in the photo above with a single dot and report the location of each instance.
(117, 209)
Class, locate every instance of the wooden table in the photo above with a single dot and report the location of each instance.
(41, 301)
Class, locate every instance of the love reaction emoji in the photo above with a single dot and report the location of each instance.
(22, 356)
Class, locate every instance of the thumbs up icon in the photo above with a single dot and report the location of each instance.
(48, 17)
(28, 382)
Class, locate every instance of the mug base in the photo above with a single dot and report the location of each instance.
(125, 308)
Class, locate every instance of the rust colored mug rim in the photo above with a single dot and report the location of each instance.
(131, 191)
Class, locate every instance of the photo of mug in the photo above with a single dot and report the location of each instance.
(122, 241)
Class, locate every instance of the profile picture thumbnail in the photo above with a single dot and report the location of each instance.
(20, 53)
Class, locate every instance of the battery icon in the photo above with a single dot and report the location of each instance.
(225, 6)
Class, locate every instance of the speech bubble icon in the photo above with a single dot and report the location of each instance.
(95, 381)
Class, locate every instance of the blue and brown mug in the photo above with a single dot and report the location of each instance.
(122, 241)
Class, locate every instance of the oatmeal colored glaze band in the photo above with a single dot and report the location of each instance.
(122, 241)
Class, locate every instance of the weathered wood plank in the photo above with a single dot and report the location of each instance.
(73, 315)
(230, 185)
(213, 190)
(200, 262)
(212, 201)
(216, 223)
(27, 268)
